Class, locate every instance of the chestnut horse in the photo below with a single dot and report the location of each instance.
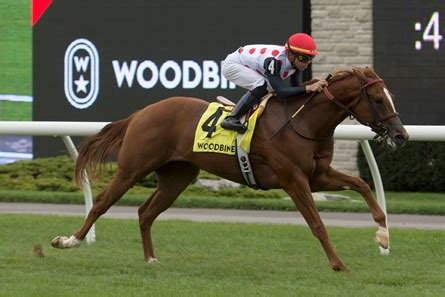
(295, 158)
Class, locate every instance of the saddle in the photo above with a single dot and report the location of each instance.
(228, 104)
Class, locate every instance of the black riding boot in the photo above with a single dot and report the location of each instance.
(232, 121)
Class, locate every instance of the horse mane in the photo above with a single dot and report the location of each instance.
(344, 73)
(341, 74)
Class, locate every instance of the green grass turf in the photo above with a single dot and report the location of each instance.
(15, 47)
(210, 259)
(15, 111)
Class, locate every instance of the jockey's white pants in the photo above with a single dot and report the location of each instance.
(242, 76)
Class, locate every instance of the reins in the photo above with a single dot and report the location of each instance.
(377, 123)
(298, 111)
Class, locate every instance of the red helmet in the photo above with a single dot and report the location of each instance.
(301, 43)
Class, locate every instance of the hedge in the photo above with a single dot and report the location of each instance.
(416, 167)
(55, 174)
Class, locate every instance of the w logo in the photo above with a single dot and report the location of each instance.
(81, 73)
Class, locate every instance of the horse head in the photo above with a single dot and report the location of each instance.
(368, 100)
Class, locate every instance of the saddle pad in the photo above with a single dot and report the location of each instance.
(210, 137)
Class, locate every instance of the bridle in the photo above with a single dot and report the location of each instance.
(377, 122)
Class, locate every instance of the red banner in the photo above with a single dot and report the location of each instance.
(38, 8)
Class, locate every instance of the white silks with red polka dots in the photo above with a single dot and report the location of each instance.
(245, 67)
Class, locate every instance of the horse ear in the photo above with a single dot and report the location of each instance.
(373, 73)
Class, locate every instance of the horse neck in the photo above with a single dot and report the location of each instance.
(320, 117)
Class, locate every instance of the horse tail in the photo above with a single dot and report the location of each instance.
(100, 148)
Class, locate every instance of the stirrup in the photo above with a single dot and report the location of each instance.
(236, 126)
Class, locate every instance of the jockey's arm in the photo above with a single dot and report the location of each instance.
(294, 79)
(282, 90)
(272, 71)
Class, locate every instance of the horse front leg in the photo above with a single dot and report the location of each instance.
(333, 180)
(299, 191)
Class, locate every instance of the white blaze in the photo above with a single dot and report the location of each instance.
(389, 98)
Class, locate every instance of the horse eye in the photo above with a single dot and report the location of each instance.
(379, 100)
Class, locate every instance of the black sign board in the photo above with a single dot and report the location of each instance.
(409, 53)
(102, 60)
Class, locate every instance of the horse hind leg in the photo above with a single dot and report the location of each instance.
(334, 180)
(122, 181)
(172, 179)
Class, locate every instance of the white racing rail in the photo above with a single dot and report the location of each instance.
(343, 132)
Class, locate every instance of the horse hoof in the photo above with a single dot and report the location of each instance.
(382, 238)
(63, 242)
(383, 251)
(152, 261)
(340, 268)
(57, 242)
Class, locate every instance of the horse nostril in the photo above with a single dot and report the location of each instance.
(401, 134)
(400, 139)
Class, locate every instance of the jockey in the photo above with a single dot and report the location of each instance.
(261, 68)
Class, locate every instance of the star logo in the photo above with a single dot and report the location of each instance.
(81, 73)
(81, 84)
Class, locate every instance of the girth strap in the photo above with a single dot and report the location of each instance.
(244, 164)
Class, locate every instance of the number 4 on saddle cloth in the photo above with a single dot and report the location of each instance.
(210, 137)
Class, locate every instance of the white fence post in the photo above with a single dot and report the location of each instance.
(378, 184)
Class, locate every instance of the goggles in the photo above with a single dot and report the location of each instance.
(304, 58)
